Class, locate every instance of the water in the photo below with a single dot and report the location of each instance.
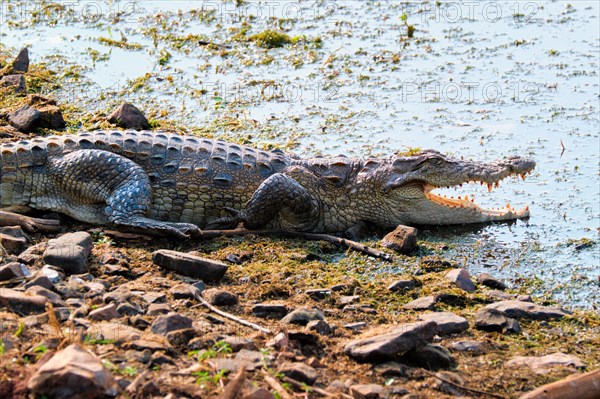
(479, 79)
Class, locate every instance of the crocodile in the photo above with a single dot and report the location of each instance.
(176, 185)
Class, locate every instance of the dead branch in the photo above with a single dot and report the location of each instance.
(276, 386)
(205, 234)
(29, 224)
(229, 315)
(233, 390)
(575, 386)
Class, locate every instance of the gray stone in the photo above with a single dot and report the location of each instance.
(303, 316)
(120, 295)
(16, 82)
(299, 372)
(448, 322)
(520, 309)
(461, 278)
(13, 239)
(369, 391)
(542, 364)
(358, 326)
(469, 346)
(113, 332)
(25, 118)
(51, 273)
(269, 310)
(181, 337)
(170, 322)
(53, 297)
(493, 320)
(155, 297)
(21, 303)
(430, 357)
(69, 252)
(52, 117)
(21, 62)
(107, 312)
(238, 343)
(395, 342)
(402, 240)
(40, 280)
(348, 299)
(181, 291)
(13, 270)
(524, 298)
(128, 116)
(490, 281)
(218, 297)
(73, 373)
(189, 265)
(156, 309)
(318, 293)
(423, 303)
(403, 285)
(320, 326)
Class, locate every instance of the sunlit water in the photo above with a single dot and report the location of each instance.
(480, 80)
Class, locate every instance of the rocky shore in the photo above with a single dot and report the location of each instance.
(90, 313)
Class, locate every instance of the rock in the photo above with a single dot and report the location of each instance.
(461, 278)
(299, 372)
(154, 297)
(53, 297)
(520, 309)
(13, 239)
(107, 312)
(128, 116)
(357, 232)
(41, 281)
(120, 295)
(181, 337)
(469, 346)
(219, 297)
(16, 82)
(361, 308)
(279, 341)
(393, 369)
(170, 322)
(269, 310)
(189, 265)
(238, 343)
(51, 274)
(493, 320)
(430, 357)
(499, 295)
(253, 359)
(13, 270)
(348, 299)
(25, 118)
(302, 316)
(542, 364)
(259, 393)
(448, 323)
(182, 291)
(72, 373)
(22, 304)
(320, 326)
(21, 61)
(156, 309)
(369, 391)
(37, 100)
(403, 285)
(490, 281)
(52, 117)
(452, 386)
(423, 303)
(69, 252)
(402, 240)
(524, 298)
(396, 342)
(318, 293)
(113, 332)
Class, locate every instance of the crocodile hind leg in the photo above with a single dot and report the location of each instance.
(98, 186)
(278, 197)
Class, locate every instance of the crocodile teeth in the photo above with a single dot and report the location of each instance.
(489, 187)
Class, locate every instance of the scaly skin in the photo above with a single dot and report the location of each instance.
(176, 184)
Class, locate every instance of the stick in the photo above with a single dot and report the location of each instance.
(205, 234)
(315, 389)
(580, 386)
(276, 386)
(29, 224)
(493, 395)
(229, 315)
(233, 390)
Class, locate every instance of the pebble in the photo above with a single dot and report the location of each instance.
(299, 372)
(170, 322)
(190, 265)
(156, 309)
(448, 323)
(402, 240)
(303, 316)
(128, 116)
(238, 343)
(469, 346)
(321, 327)
(113, 331)
(318, 293)
(107, 312)
(269, 310)
(218, 297)
(403, 285)
(397, 341)
(369, 391)
(461, 278)
(72, 373)
(423, 303)
(358, 326)
(69, 252)
(490, 281)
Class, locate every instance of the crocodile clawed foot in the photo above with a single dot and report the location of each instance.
(226, 222)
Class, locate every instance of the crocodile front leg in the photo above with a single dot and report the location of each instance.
(98, 186)
(278, 197)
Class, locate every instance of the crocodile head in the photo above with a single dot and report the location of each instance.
(408, 185)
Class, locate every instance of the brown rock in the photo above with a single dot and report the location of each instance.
(107, 312)
(25, 118)
(52, 117)
(542, 364)
(16, 82)
(448, 322)
(128, 116)
(520, 309)
(369, 391)
(423, 303)
(13, 270)
(189, 265)
(21, 303)
(72, 373)
(461, 278)
(299, 372)
(170, 322)
(21, 61)
(220, 297)
(402, 240)
(113, 331)
(69, 252)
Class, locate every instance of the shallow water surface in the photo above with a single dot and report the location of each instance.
(480, 80)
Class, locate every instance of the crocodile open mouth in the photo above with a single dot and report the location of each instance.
(469, 202)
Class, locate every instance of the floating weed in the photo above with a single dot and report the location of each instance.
(119, 43)
(270, 39)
